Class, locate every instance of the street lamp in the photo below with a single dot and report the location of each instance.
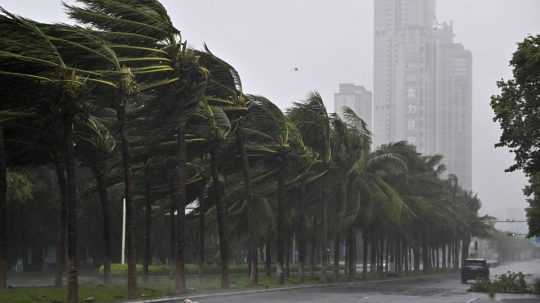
(123, 258)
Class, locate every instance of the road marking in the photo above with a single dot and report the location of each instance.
(473, 300)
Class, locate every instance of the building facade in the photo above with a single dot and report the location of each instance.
(358, 99)
(422, 84)
(454, 105)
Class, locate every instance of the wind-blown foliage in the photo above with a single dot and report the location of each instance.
(122, 98)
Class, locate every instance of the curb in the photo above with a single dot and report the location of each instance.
(280, 289)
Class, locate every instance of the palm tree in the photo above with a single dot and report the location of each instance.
(350, 146)
(3, 214)
(214, 129)
(95, 145)
(313, 122)
(273, 141)
(252, 241)
(35, 52)
(131, 27)
(273, 127)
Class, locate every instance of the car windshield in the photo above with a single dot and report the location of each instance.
(475, 263)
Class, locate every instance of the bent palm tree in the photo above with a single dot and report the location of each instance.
(142, 32)
(313, 122)
(40, 52)
(95, 146)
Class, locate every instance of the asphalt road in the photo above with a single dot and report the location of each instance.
(447, 289)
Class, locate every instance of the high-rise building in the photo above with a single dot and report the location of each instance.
(454, 105)
(358, 99)
(404, 70)
(422, 84)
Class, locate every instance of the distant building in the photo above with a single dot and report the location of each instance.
(404, 72)
(422, 84)
(358, 99)
(454, 105)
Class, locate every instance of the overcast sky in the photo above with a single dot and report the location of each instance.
(332, 42)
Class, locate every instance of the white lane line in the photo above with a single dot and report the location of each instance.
(473, 300)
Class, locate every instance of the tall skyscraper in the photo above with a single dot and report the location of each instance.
(454, 104)
(358, 99)
(422, 84)
(404, 71)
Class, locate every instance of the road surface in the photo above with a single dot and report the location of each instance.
(446, 289)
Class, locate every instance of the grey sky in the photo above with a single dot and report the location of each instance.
(332, 42)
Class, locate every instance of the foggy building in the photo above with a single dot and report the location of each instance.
(358, 99)
(422, 84)
(403, 79)
(454, 105)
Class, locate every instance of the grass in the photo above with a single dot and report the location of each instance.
(57, 295)
(157, 286)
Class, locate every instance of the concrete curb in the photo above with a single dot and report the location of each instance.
(281, 289)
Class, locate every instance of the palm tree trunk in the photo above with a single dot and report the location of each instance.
(3, 213)
(365, 247)
(324, 244)
(416, 256)
(456, 254)
(288, 252)
(172, 227)
(386, 243)
(72, 206)
(62, 224)
(181, 200)
(147, 222)
(354, 255)
(407, 252)
(348, 255)
(396, 256)
(425, 258)
(465, 248)
(255, 265)
(279, 227)
(443, 256)
(128, 195)
(449, 255)
(252, 240)
(221, 215)
(437, 256)
(373, 246)
(202, 231)
(312, 256)
(301, 237)
(268, 255)
(99, 174)
(337, 244)
(301, 258)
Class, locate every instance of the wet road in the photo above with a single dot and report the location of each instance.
(446, 289)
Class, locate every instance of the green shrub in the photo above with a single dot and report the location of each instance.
(536, 287)
(511, 282)
(191, 269)
(122, 269)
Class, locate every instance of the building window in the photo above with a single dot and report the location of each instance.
(411, 125)
(411, 93)
(412, 109)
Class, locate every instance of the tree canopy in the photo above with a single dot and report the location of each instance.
(517, 110)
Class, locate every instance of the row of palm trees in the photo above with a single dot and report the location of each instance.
(121, 94)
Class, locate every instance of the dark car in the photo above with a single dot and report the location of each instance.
(474, 269)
